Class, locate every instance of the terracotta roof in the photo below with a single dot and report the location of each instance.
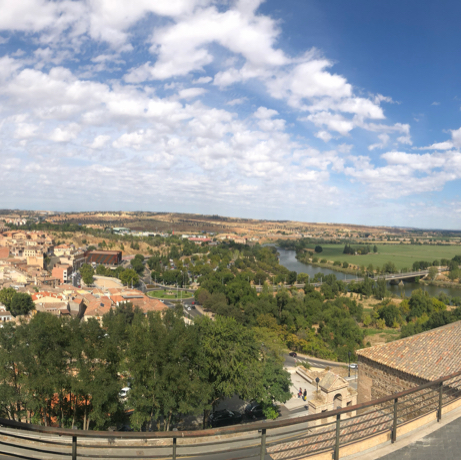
(98, 307)
(429, 355)
(331, 382)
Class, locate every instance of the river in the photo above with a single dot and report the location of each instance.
(288, 259)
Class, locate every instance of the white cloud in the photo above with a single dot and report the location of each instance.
(309, 80)
(100, 141)
(435, 103)
(334, 122)
(237, 101)
(65, 133)
(324, 135)
(202, 80)
(447, 145)
(190, 93)
(384, 138)
(380, 98)
(264, 112)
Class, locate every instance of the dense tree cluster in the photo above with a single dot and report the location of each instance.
(71, 372)
(324, 324)
(17, 303)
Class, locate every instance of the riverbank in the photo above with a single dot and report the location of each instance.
(441, 284)
(289, 260)
(329, 265)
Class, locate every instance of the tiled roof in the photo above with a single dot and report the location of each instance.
(332, 382)
(429, 355)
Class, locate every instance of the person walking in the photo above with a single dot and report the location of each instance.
(305, 395)
(300, 392)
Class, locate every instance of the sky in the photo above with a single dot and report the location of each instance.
(310, 110)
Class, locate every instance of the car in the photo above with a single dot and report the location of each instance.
(193, 302)
(353, 366)
(189, 308)
(125, 428)
(293, 354)
(224, 417)
(124, 392)
(254, 410)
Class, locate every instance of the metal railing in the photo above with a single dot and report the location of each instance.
(291, 438)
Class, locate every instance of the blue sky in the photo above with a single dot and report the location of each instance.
(304, 110)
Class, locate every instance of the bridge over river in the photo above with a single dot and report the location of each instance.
(387, 277)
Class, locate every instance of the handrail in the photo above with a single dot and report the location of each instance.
(396, 398)
(225, 430)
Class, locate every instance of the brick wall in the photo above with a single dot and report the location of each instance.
(376, 380)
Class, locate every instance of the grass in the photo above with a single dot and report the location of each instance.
(164, 295)
(372, 331)
(402, 255)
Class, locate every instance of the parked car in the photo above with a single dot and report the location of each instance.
(125, 428)
(293, 354)
(224, 417)
(254, 410)
(124, 392)
(354, 366)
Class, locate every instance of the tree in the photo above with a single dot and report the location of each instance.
(318, 249)
(6, 294)
(389, 267)
(379, 289)
(433, 272)
(129, 277)
(303, 278)
(375, 249)
(21, 304)
(87, 272)
(137, 265)
(230, 360)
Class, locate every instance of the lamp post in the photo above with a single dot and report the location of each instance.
(349, 364)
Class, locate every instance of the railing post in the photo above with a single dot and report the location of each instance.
(174, 448)
(338, 427)
(263, 443)
(394, 426)
(74, 447)
(439, 412)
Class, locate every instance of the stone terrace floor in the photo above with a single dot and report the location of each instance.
(442, 444)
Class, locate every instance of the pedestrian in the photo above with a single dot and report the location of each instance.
(305, 395)
(300, 392)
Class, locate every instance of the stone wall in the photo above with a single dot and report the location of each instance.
(376, 380)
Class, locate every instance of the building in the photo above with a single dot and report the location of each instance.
(97, 308)
(108, 258)
(5, 315)
(406, 363)
(64, 250)
(63, 272)
(333, 393)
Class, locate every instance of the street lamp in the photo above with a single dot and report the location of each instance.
(349, 364)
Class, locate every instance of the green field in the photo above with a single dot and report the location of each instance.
(402, 255)
(164, 295)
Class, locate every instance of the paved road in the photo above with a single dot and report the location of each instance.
(443, 444)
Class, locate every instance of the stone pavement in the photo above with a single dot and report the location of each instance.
(443, 444)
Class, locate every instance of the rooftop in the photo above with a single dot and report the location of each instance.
(429, 355)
